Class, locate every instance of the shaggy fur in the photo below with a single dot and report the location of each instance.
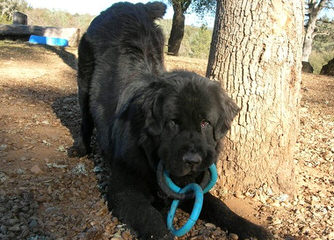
(144, 114)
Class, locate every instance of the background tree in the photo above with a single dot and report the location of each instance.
(313, 9)
(8, 7)
(177, 31)
(256, 55)
(323, 44)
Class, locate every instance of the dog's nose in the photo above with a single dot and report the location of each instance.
(192, 158)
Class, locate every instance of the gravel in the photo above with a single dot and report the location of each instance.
(46, 195)
(18, 217)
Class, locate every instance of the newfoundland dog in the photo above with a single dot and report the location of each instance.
(144, 115)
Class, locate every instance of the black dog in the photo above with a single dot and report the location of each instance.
(144, 115)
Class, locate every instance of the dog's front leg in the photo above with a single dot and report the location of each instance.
(134, 208)
(215, 211)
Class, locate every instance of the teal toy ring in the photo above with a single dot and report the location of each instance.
(177, 189)
(194, 214)
(198, 194)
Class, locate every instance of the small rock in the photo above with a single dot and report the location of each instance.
(61, 148)
(46, 142)
(239, 194)
(121, 226)
(55, 165)
(3, 147)
(3, 177)
(13, 221)
(25, 233)
(210, 225)
(15, 228)
(33, 223)
(46, 122)
(126, 235)
(233, 236)
(50, 210)
(19, 171)
(36, 169)
(80, 169)
(331, 235)
(97, 169)
(3, 229)
(276, 203)
(283, 197)
(68, 99)
(37, 237)
(277, 222)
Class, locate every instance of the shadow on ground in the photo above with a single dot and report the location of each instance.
(67, 110)
(67, 57)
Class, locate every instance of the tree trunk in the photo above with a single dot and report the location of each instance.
(177, 32)
(314, 10)
(308, 39)
(256, 56)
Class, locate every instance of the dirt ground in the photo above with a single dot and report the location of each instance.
(44, 194)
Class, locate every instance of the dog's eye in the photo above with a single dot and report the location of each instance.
(172, 123)
(204, 123)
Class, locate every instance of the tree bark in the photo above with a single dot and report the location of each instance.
(314, 10)
(256, 55)
(177, 31)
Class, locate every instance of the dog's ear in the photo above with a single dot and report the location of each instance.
(154, 116)
(228, 109)
(145, 109)
(155, 9)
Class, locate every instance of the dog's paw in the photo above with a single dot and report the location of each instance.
(256, 232)
(77, 150)
(168, 236)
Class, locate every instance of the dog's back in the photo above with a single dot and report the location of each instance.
(128, 30)
(120, 46)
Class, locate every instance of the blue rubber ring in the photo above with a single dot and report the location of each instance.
(176, 189)
(194, 214)
(214, 176)
(170, 183)
(197, 205)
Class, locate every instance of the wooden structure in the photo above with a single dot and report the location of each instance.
(20, 18)
(20, 31)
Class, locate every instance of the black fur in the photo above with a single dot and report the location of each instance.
(144, 114)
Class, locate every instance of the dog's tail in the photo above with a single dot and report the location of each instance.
(155, 9)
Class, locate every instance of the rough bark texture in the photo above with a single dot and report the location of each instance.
(177, 31)
(314, 8)
(256, 56)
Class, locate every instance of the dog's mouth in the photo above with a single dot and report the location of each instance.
(161, 179)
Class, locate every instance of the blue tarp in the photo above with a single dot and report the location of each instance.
(48, 41)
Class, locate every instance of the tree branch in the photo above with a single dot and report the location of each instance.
(320, 33)
(185, 5)
(321, 4)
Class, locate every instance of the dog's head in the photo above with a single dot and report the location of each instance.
(188, 117)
